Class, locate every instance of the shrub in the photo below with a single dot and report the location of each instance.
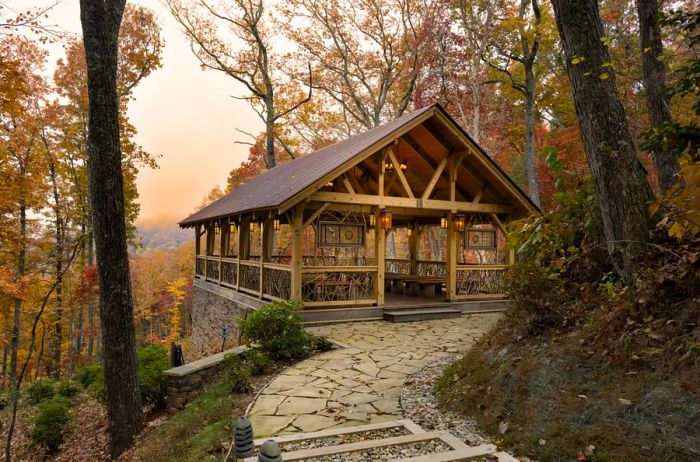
(51, 423)
(276, 328)
(152, 361)
(321, 343)
(88, 375)
(257, 360)
(67, 389)
(41, 390)
(238, 379)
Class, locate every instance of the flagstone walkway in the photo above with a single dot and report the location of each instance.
(362, 382)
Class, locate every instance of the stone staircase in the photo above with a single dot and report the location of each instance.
(393, 441)
(425, 314)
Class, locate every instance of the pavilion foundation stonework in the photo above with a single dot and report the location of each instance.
(210, 313)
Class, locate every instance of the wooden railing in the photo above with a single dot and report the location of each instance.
(200, 266)
(266, 280)
(277, 281)
(481, 281)
(338, 285)
(436, 269)
(229, 272)
(397, 266)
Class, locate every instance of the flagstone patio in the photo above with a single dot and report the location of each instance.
(360, 383)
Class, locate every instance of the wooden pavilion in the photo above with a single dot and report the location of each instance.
(317, 228)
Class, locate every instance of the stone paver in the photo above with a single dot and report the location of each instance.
(361, 383)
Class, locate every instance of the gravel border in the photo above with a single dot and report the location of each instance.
(419, 403)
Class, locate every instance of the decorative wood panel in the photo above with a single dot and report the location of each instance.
(250, 276)
(212, 269)
(338, 285)
(436, 269)
(199, 266)
(485, 280)
(229, 272)
(277, 282)
(341, 234)
(397, 266)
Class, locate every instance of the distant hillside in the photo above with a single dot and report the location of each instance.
(161, 235)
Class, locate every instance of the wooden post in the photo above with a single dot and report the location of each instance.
(379, 256)
(414, 245)
(221, 245)
(451, 258)
(244, 239)
(197, 234)
(297, 238)
(265, 228)
(243, 233)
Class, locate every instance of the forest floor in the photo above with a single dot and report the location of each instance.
(617, 380)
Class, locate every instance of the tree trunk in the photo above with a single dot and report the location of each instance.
(270, 129)
(530, 152)
(100, 22)
(21, 268)
(57, 335)
(666, 162)
(619, 177)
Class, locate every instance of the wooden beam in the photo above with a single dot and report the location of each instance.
(416, 203)
(399, 173)
(423, 154)
(315, 215)
(357, 159)
(433, 181)
(486, 163)
(477, 198)
(296, 260)
(353, 181)
(347, 185)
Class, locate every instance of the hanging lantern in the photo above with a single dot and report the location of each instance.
(232, 227)
(276, 224)
(372, 220)
(217, 229)
(443, 223)
(459, 222)
(329, 184)
(403, 166)
(409, 231)
(252, 226)
(385, 219)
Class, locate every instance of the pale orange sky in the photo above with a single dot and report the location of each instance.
(184, 114)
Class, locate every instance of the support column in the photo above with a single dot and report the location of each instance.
(451, 259)
(379, 256)
(297, 240)
(265, 251)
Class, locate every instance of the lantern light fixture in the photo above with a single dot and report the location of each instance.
(384, 219)
(329, 184)
(232, 227)
(217, 228)
(459, 222)
(276, 224)
(409, 231)
(443, 223)
(252, 225)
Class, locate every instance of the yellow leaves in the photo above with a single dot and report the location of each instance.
(577, 59)
(604, 76)
(605, 40)
(681, 204)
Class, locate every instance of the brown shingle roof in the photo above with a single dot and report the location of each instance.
(273, 187)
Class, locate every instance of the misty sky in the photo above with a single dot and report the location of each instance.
(182, 113)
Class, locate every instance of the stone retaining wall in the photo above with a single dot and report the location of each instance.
(185, 381)
(210, 313)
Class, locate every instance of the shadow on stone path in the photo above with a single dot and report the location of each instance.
(361, 383)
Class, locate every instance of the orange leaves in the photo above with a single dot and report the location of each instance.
(681, 204)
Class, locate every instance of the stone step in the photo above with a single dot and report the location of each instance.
(421, 315)
(402, 441)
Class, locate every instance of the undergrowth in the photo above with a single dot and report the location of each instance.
(584, 367)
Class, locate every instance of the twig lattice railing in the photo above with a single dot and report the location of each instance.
(397, 266)
(338, 285)
(481, 280)
(435, 269)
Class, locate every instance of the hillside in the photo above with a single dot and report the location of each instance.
(160, 235)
